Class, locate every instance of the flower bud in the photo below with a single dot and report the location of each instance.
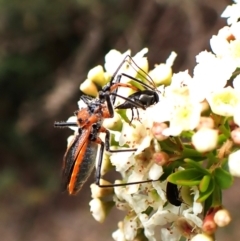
(114, 124)
(222, 218)
(157, 130)
(234, 163)
(205, 139)
(209, 226)
(202, 237)
(118, 235)
(160, 158)
(161, 74)
(106, 163)
(100, 209)
(89, 88)
(99, 192)
(96, 75)
(235, 134)
(142, 63)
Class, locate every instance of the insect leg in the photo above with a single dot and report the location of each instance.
(99, 166)
(100, 158)
(115, 86)
(63, 124)
(107, 144)
(99, 163)
(86, 99)
(135, 104)
(138, 81)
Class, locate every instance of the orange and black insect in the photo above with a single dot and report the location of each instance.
(79, 159)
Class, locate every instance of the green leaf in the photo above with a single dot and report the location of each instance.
(190, 152)
(189, 183)
(204, 183)
(217, 196)
(207, 204)
(196, 165)
(223, 178)
(188, 177)
(204, 195)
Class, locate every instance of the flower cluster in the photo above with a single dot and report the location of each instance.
(190, 138)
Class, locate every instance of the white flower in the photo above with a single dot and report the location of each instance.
(170, 235)
(130, 227)
(160, 187)
(232, 13)
(113, 59)
(234, 30)
(155, 172)
(139, 134)
(178, 108)
(181, 79)
(234, 163)
(219, 44)
(210, 74)
(185, 116)
(192, 217)
(159, 218)
(170, 60)
(122, 161)
(226, 45)
(98, 210)
(197, 206)
(141, 62)
(236, 83)
(162, 73)
(118, 235)
(224, 101)
(186, 227)
(234, 49)
(205, 139)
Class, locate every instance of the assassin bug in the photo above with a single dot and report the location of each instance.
(79, 159)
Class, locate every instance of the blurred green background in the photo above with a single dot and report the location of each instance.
(46, 50)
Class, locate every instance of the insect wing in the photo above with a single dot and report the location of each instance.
(79, 162)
